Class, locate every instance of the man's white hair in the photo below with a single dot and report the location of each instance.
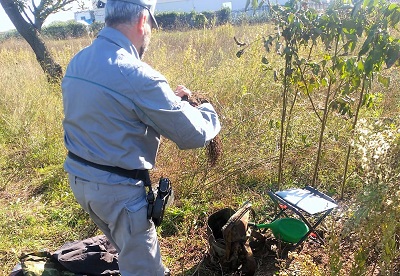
(121, 12)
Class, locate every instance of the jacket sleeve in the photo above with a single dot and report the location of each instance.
(157, 106)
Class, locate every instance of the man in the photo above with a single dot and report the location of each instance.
(116, 107)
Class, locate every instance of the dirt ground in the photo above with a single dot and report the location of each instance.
(311, 258)
(272, 258)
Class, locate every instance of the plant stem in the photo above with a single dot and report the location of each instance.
(283, 120)
(352, 130)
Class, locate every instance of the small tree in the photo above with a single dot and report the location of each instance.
(358, 44)
(28, 20)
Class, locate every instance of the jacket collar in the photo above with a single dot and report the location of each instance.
(116, 37)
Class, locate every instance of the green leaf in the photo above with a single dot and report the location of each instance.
(368, 100)
(360, 66)
(327, 57)
(356, 9)
(240, 53)
(393, 54)
(367, 44)
(384, 80)
(254, 3)
(271, 124)
(315, 68)
(368, 66)
(291, 18)
(394, 18)
(324, 82)
(393, 7)
(268, 43)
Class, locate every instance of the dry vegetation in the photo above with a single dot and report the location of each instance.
(38, 211)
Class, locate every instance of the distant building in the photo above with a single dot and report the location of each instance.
(86, 16)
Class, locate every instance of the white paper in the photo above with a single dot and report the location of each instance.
(306, 201)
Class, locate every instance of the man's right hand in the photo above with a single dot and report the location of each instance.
(182, 91)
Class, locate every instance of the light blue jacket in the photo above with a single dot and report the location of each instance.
(116, 107)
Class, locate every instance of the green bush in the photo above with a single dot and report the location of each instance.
(246, 18)
(173, 20)
(223, 16)
(9, 35)
(96, 27)
(199, 21)
(193, 20)
(65, 30)
(60, 30)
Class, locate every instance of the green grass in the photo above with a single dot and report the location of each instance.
(37, 209)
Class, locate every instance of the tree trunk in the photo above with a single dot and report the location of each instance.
(31, 34)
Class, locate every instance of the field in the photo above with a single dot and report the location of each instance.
(38, 210)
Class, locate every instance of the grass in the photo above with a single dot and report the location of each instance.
(37, 209)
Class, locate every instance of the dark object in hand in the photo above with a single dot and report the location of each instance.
(194, 101)
(214, 147)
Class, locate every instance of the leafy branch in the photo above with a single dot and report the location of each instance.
(357, 45)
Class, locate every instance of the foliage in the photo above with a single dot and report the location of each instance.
(61, 30)
(95, 28)
(244, 18)
(223, 16)
(255, 4)
(375, 221)
(182, 20)
(9, 35)
(337, 82)
(65, 30)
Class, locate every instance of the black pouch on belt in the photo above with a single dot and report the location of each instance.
(158, 200)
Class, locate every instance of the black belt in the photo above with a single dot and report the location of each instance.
(135, 174)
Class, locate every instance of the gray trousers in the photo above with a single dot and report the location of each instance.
(120, 211)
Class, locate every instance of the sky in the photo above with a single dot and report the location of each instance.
(6, 24)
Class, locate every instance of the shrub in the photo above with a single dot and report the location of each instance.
(9, 35)
(200, 21)
(165, 20)
(65, 30)
(223, 16)
(182, 20)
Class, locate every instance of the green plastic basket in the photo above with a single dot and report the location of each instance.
(286, 229)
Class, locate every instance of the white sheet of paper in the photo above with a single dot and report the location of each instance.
(306, 201)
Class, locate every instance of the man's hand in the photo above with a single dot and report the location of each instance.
(182, 91)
